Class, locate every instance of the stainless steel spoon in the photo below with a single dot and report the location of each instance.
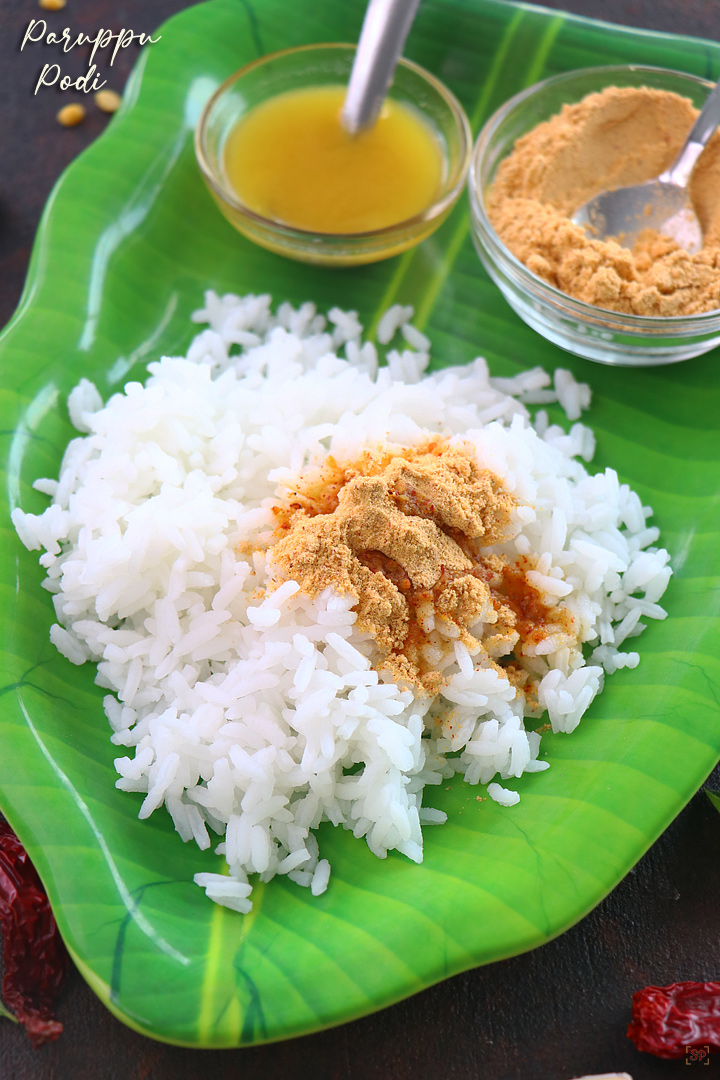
(662, 204)
(385, 28)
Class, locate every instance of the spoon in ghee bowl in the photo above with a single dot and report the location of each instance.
(662, 204)
(385, 28)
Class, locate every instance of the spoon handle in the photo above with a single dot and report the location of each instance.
(382, 38)
(702, 129)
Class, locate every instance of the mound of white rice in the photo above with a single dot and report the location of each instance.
(257, 716)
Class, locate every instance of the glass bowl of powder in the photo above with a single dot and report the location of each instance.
(545, 153)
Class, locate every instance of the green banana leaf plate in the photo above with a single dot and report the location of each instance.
(128, 242)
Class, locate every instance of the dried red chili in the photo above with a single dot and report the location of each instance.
(35, 956)
(666, 1020)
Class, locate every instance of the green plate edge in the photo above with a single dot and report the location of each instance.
(128, 241)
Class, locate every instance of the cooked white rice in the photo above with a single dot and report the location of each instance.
(245, 713)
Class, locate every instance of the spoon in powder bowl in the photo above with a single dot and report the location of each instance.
(662, 204)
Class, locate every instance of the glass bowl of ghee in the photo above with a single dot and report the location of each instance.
(285, 173)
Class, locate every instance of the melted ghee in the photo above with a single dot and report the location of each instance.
(290, 159)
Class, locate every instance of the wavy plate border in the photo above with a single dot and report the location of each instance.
(249, 980)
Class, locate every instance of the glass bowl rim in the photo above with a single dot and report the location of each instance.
(438, 207)
(618, 321)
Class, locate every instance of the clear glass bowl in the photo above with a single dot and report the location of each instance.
(607, 336)
(318, 65)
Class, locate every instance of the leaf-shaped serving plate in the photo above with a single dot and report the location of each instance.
(129, 241)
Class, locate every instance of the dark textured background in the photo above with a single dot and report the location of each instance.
(552, 1014)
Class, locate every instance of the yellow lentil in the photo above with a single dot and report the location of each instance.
(108, 100)
(72, 114)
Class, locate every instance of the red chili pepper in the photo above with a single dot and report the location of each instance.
(667, 1020)
(35, 956)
